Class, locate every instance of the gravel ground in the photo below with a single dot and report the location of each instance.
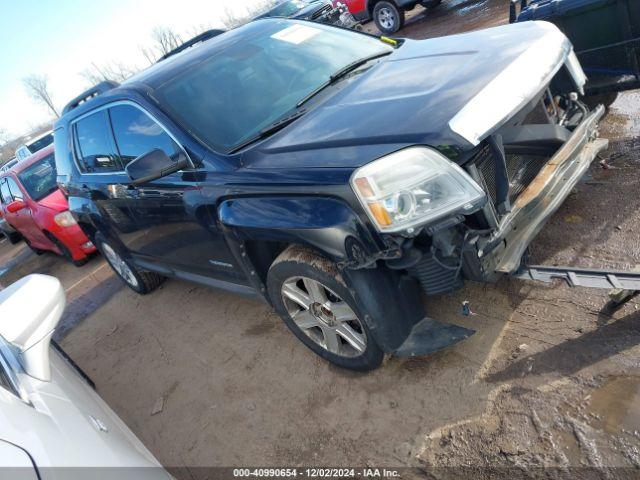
(551, 380)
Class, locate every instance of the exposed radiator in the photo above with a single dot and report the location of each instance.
(521, 170)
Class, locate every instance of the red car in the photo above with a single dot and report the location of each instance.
(388, 15)
(32, 203)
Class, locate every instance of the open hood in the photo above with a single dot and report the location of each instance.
(444, 92)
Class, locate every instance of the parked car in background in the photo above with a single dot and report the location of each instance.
(388, 15)
(53, 425)
(34, 145)
(7, 230)
(9, 165)
(35, 207)
(333, 182)
(321, 11)
(605, 35)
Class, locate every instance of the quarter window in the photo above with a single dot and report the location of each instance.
(96, 151)
(136, 133)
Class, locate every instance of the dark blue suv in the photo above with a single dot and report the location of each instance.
(335, 174)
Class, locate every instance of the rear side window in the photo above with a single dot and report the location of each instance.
(95, 150)
(136, 134)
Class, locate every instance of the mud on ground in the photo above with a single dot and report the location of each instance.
(549, 380)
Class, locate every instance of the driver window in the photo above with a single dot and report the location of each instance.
(136, 134)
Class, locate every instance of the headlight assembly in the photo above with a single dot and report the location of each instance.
(413, 187)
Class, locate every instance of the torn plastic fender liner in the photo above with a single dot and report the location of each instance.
(391, 305)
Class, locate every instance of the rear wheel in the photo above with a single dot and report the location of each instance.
(388, 17)
(35, 250)
(307, 292)
(13, 237)
(139, 281)
(64, 250)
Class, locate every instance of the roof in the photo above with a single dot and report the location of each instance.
(163, 71)
(36, 157)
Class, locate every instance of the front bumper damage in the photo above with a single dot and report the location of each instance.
(501, 253)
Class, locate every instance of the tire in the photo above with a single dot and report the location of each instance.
(65, 252)
(388, 17)
(605, 99)
(13, 237)
(140, 281)
(301, 274)
(35, 250)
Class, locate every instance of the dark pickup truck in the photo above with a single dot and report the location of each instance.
(335, 174)
(605, 35)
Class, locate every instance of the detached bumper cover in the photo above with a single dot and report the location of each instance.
(542, 198)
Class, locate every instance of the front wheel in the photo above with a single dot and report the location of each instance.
(139, 281)
(307, 292)
(388, 17)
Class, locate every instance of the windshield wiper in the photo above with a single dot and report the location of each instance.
(279, 124)
(340, 74)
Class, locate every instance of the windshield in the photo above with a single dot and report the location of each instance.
(41, 143)
(287, 9)
(39, 179)
(242, 89)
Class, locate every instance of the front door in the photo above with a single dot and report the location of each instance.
(171, 225)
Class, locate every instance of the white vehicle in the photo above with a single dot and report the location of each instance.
(34, 145)
(53, 425)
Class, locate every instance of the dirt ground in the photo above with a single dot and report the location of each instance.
(550, 381)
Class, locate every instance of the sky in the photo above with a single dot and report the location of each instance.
(61, 38)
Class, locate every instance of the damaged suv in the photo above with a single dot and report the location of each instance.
(334, 173)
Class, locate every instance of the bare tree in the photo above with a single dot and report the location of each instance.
(116, 71)
(5, 136)
(231, 18)
(37, 87)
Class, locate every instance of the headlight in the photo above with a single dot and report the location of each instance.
(413, 187)
(65, 219)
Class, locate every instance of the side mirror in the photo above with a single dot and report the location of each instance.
(30, 310)
(153, 165)
(16, 206)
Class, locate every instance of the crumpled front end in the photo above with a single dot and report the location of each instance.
(532, 140)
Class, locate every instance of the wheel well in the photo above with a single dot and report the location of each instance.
(263, 254)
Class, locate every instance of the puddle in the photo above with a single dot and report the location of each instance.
(615, 406)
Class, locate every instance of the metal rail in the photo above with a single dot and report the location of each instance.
(581, 277)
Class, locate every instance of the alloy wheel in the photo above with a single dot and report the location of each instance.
(324, 317)
(119, 265)
(387, 18)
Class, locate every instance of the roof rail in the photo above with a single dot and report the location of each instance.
(203, 37)
(89, 94)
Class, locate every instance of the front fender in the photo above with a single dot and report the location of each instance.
(328, 225)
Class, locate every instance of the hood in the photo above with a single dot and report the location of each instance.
(55, 201)
(413, 95)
